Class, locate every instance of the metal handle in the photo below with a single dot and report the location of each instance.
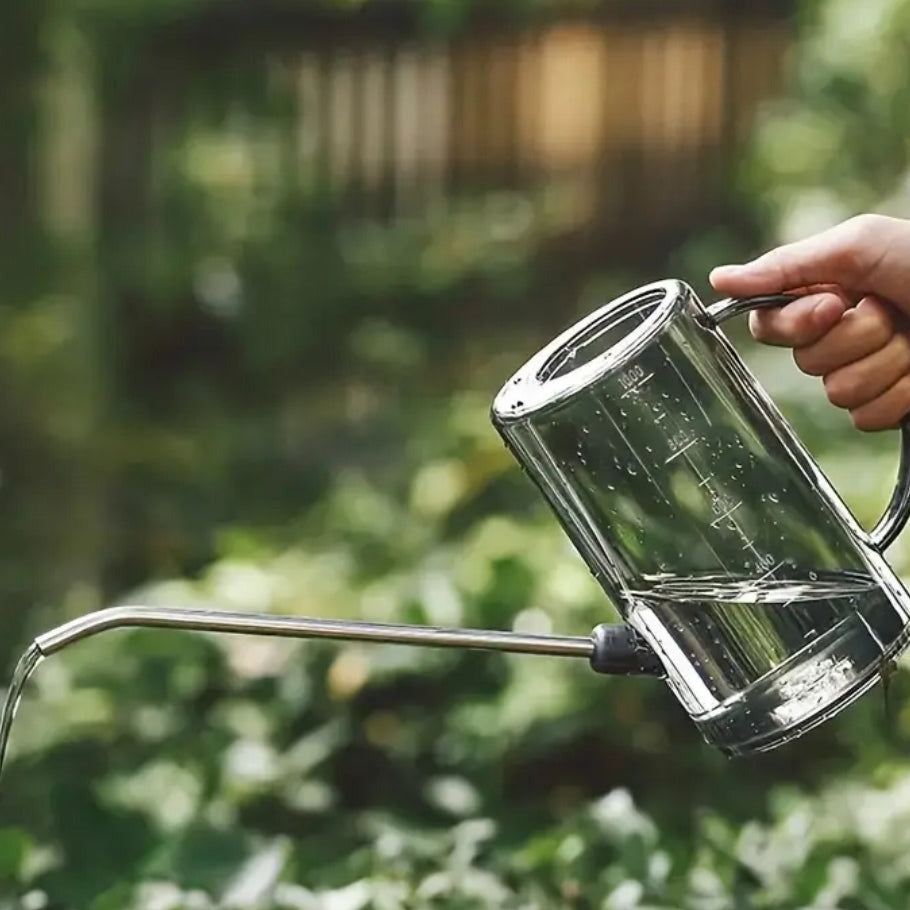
(897, 512)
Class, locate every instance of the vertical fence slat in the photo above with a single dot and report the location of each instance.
(308, 118)
(374, 164)
(434, 117)
(341, 121)
(406, 76)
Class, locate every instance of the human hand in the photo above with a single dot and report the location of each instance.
(851, 323)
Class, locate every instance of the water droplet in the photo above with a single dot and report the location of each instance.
(631, 468)
(813, 576)
(773, 497)
(585, 430)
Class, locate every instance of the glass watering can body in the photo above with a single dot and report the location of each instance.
(704, 519)
(741, 576)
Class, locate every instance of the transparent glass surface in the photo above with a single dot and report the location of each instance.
(707, 524)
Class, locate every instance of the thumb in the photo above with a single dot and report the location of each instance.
(845, 255)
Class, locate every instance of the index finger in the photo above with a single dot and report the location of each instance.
(800, 323)
(850, 254)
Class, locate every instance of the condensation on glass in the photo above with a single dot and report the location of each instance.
(704, 519)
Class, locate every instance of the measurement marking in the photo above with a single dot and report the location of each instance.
(679, 452)
(638, 458)
(751, 548)
(748, 544)
(702, 535)
(663, 414)
(771, 571)
(692, 394)
(726, 515)
(637, 386)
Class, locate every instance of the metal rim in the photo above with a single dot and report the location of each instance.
(543, 383)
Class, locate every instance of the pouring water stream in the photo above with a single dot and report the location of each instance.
(27, 665)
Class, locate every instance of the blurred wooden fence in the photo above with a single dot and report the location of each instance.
(645, 113)
(637, 116)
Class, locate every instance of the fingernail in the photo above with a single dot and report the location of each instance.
(718, 273)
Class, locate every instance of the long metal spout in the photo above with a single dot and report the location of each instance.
(305, 627)
(610, 649)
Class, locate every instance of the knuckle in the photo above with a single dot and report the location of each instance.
(861, 233)
(864, 228)
(887, 412)
(868, 336)
(875, 324)
(808, 361)
(839, 390)
(863, 419)
(863, 222)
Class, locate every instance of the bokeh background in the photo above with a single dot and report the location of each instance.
(263, 266)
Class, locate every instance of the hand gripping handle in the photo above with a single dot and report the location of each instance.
(897, 512)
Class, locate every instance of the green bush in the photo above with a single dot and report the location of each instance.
(164, 771)
(154, 769)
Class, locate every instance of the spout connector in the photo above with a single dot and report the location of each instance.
(618, 650)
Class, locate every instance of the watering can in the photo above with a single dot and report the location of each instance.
(742, 578)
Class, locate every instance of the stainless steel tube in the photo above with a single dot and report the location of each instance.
(284, 626)
(610, 649)
(305, 627)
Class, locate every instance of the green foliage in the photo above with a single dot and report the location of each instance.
(837, 144)
(156, 769)
(610, 855)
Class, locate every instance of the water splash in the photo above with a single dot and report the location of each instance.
(27, 665)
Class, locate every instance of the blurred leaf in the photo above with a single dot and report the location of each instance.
(15, 845)
(200, 856)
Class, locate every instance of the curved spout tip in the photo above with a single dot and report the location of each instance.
(27, 665)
